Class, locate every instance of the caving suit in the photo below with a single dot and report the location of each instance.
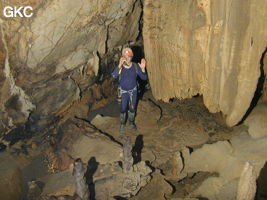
(128, 88)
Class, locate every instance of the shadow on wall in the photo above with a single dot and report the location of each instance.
(259, 89)
(262, 184)
(138, 55)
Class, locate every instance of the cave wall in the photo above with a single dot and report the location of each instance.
(212, 48)
(192, 47)
(49, 61)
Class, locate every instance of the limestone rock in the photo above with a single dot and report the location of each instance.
(34, 190)
(125, 29)
(173, 169)
(10, 179)
(228, 160)
(100, 120)
(79, 140)
(204, 47)
(123, 184)
(64, 93)
(257, 121)
(157, 189)
(15, 104)
(62, 183)
(78, 21)
(104, 150)
(146, 119)
(79, 171)
(51, 55)
(247, 183)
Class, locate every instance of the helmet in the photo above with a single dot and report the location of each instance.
(127, 52)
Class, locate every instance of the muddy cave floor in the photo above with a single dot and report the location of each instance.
(163, 129)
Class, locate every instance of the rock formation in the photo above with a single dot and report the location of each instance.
(238, 163)
(76, 139)
(10, 178)
(193, 47)
(108, 180)
(247, 183)
(212, 48)
(57, 65)
(49, 61)
(127, 156)
(79, 171)
(257, 121)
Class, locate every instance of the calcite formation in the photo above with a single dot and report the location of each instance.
(211, 48)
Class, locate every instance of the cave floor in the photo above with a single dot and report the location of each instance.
(163, 130)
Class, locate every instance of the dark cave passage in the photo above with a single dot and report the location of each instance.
(262, 184)
(260, 90)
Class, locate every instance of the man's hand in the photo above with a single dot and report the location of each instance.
(142, 65)
(122, 60)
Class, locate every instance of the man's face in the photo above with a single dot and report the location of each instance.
(128, 59)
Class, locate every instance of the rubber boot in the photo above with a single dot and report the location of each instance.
(123, 122)
(131, 120)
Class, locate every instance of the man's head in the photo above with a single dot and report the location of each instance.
(127, 53)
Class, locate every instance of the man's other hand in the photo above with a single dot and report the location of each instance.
(142, 65)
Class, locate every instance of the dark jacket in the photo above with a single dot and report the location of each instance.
(128, 76)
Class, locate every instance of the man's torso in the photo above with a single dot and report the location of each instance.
(128, 77)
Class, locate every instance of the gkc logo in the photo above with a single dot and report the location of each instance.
(18, 11)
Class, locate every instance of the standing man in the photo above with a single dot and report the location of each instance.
(127, 71)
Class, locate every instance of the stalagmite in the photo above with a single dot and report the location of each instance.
(80, 181)
(127, 156)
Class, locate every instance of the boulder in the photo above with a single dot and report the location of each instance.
(100, 120)
(104, 150)
(62, 183)
(228, 159)
(257, 121)
(157, 189)
(79, 139)
(120, 184)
